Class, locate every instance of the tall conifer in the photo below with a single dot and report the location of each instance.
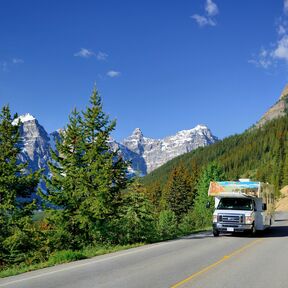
(16, 188)
(87, 177)
(178, 192)
(201, 215)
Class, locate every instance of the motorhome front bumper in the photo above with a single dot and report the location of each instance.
(232, 227)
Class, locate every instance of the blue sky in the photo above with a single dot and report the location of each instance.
(162, 65)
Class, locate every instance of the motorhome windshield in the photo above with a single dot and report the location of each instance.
(235, 204)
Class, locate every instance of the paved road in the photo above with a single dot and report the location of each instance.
(196, 261)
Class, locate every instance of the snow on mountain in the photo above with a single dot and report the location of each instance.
(35, 143)
(145, 154)
(23, 118)
(156, 152)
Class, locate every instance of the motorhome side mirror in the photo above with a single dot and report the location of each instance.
(264, 206)
(208, 204)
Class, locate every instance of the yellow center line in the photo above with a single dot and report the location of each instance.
(226, 257)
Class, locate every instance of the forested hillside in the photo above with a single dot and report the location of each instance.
(260, 154)
(99, 206)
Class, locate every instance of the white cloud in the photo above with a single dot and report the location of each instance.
(286, 6)
(203, 21)
(101, 56)
(6, 65)
(84, 53)
(278, 50)
(281, 50)
(211, 8)
(207, 19)
(17, 61)
(113, 73)
(263, 59)
(281, 30)
(3, 66)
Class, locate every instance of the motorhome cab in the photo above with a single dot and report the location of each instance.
(241, 206)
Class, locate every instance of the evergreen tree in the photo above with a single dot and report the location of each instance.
(258, 153)
(106, 172)
(203, 216)
(154, 194)
(17, 231)
(166, 225)
(135, 220)
(87, 178)
(64, 188)
(178, 192)
(285, 165)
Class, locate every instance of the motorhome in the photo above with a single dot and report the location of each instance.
(241, 206)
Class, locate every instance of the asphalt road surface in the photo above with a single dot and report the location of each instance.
(196, 261)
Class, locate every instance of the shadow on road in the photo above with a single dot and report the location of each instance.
(279, 229)
(198, 236)
(275, 231)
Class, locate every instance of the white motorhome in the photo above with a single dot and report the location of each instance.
(241, 206)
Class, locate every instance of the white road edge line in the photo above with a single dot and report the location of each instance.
(95, 261)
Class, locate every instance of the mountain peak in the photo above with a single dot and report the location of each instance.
(23, 118)
(137, 132)
(201, 127)
(277, 110)
(284, 92)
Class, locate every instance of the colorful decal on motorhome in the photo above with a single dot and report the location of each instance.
(249, 188)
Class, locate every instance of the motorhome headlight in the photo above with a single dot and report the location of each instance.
(249, 219)
(215, 218)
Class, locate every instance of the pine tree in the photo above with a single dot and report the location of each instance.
(178, 192)
(64, 188)
(135, 221)
(201, 215)
(285, 165)
(154, 194)
(17, 231)
(87, 179)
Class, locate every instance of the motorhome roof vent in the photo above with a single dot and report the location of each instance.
(244, 180)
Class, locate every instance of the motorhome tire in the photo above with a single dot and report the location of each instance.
(253, 230)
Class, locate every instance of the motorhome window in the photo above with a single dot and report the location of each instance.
(235, 204)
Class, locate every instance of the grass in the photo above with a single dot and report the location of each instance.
(66, 256)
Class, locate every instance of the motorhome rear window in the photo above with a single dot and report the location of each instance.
(235, 204)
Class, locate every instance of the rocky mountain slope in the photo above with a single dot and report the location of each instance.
(145, 154)
(36, 143)
(260, 154)
(156, 152)
(277, 110)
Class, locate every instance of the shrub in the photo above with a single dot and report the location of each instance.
(166, 225)
(135, 221)
(65, 256)
(187, 224)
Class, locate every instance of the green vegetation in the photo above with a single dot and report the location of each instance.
(86, 183)
(18, 234)
(65, 256)
(212, 173)
(260, 154)
(92, 208)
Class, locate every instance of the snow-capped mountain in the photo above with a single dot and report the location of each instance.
(144, 154)
(35, 143)
(156, 152)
